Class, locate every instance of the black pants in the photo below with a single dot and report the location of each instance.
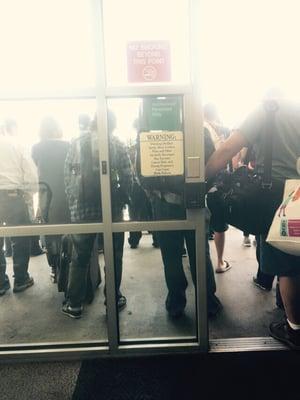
(171, 244)
(53, 247)
(82, 250)
(14, 211)
(264, 279)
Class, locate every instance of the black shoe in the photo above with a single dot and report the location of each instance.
(261, 286)
(175, 304)
(20, 287)
(7, 254)
(284, 333)
(214, 311)
(211, 236)
(183, 252)
(134, 246)
(37, 252)
(176, 312)
(122, 302)
(4, 287)
(155, 245)
(72, 312)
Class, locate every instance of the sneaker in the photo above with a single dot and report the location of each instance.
(284, 333)
(72, 312)
(53, 276)
(20, 287)
(4, 287)
(122, 302)
(259, 285)
(246, 241)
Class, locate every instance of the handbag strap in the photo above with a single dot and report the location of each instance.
(271, 107)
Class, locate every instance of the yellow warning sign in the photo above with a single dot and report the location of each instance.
(161, 153)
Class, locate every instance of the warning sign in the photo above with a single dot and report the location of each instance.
(161, 153)
(148, 61)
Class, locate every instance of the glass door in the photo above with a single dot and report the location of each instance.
(153, 93)
(119, 97)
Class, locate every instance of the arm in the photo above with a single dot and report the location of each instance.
(225, 153)
(239, 158)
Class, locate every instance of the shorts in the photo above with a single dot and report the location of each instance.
(276, 262)
(217, 222)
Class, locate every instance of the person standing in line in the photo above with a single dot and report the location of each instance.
(218, 134)
(82, 185)
(169, 204)
(18, 183)
(11, 129)
(49, 156)
(286, 152)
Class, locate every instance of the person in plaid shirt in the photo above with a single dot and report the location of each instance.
(82, 184)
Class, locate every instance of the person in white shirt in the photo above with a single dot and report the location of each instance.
(18, 182)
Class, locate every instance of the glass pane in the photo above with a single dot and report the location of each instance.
(149, 132)
(148, 45)
(259, 302)
(49, 142)
(31, 309)
(158, 284)
(55, 143)
(46, 46)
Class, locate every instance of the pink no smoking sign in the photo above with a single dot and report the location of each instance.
(149, 61)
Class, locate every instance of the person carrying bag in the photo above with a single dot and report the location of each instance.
(285, 153)
(248, 199)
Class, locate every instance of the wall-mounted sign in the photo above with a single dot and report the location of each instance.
(161, 153)
(149, 61)
(161, 113)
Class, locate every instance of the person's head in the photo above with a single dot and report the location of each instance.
(111, 122)
(10, 126)
(84, 121)
(49, 129)
(136, 124)
(210, 112)
(273, 93)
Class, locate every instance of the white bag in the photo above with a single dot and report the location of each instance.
(284, 233)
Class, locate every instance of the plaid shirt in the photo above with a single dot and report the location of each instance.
(82, 178)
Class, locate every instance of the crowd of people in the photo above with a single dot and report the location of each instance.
(66, 177)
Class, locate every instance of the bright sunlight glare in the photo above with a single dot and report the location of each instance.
(245, 48)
